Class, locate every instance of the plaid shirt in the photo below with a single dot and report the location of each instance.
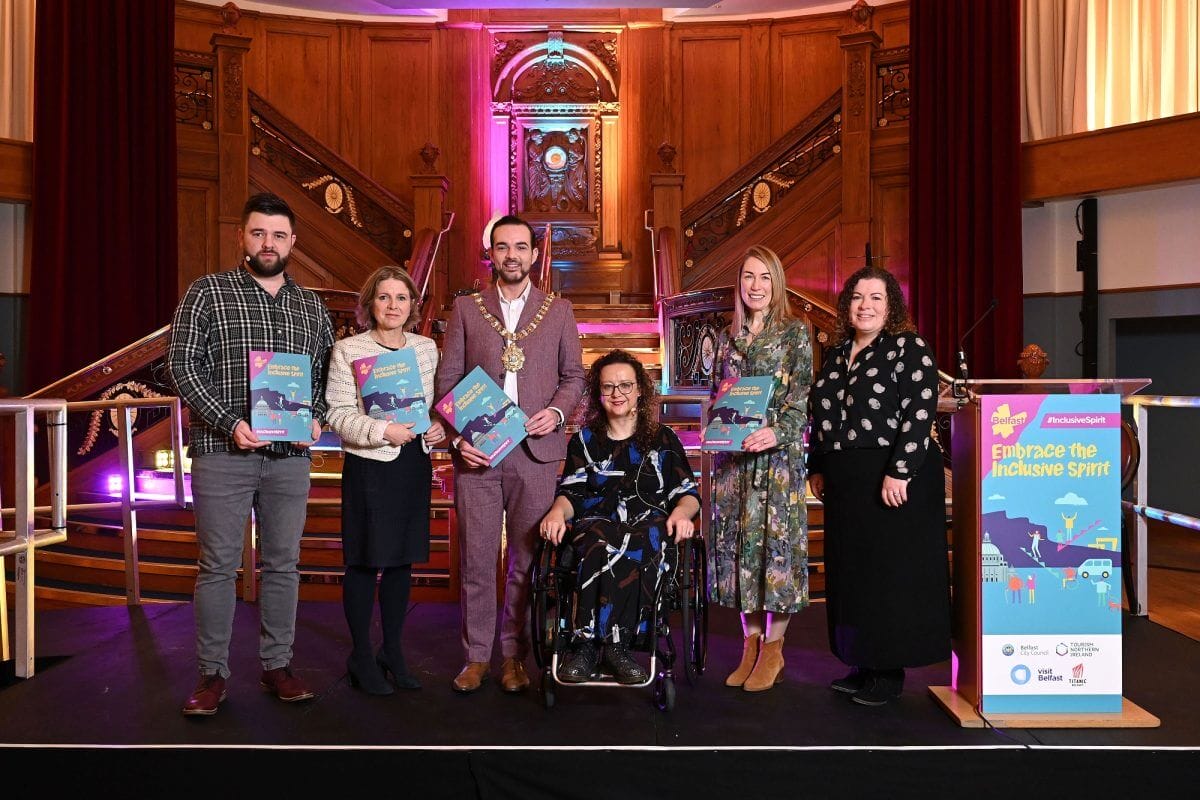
(220, 320)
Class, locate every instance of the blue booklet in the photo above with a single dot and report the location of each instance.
(739, 409)
(280, 396)
(485, 416)
(390, 388)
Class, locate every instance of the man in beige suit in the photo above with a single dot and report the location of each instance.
(528, 342)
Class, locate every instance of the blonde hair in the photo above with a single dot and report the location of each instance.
(778, 311)
(366, 295)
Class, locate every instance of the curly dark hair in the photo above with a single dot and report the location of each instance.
(897, 317)
(647, 408)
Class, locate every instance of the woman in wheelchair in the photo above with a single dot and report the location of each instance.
(627, 485)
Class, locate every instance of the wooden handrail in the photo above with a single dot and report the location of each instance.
(425, 250)
(666, 265)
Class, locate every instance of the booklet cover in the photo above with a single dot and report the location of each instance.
(390, 387)
(280, 396)
(480, 410)
(739, 409)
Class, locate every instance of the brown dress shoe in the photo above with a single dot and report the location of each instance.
(207, 695)
(472, 676)
(512, 676)
(284, 685)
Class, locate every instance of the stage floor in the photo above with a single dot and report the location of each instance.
(115, 677)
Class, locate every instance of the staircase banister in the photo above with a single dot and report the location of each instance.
(108, 369)
(666, 263)
(545, 258)
(398, 208)
(759, 163)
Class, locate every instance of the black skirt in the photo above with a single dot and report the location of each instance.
(887, 584)
(385, 509)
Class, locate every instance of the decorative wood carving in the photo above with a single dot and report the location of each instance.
(556, 171)
(666, 154)
(606, 51)
(860, 17)
(503, 51)
(573, 240)
(230, 16)
(429, 156)
(856, 86)
(556, 81)
(232, 88)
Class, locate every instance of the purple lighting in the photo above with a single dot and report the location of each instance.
(115, 484)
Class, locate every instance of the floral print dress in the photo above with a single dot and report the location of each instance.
(758, 540)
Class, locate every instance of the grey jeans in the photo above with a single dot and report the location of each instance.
(224, 487)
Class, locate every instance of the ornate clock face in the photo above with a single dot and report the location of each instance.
(555, 158)
(708, 352)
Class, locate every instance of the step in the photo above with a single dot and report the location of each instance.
(649, 356)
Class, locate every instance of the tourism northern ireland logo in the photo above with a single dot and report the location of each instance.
(1004, 421)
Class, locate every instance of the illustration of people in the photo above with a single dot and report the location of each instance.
(1014, 586)
(1036, 535)
(1102, 588)
(1031, 582)
(1070, 523)
(1068, 576)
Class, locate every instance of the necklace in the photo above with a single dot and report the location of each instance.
(513, 357)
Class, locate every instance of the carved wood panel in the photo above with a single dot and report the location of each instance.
(556, 171)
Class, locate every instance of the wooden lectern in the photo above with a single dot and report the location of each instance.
(1036, 484)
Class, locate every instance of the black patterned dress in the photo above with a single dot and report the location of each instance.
(886, 571)
(621, 498)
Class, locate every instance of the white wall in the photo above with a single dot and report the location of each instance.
(1148, 239)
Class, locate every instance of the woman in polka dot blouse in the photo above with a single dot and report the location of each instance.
(875, 464)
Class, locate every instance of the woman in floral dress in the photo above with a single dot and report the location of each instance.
(758, 540)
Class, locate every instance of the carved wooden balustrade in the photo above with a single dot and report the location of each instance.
(756, 188)
(353, 198)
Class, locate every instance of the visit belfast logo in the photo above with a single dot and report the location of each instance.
(1004, 422)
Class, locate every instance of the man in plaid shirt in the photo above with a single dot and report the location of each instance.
(221, 318)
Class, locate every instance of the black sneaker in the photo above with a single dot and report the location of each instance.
(852, 683)
(624, 668)
(880, 688)
(581, 664)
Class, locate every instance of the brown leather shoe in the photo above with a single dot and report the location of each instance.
(286, 686)
(207, 695)
(472, 676)
(512, 676)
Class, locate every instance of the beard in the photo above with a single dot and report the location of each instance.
(506, 278)
(264, 270)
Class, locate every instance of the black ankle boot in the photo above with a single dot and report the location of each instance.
(581, 664)
(880, 687)
(366, 675)
(623, 665)
(394, 665)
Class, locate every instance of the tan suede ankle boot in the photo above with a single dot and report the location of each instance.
(750, 649)
(768, 671)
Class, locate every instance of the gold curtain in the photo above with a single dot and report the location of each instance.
(1144, 60)
(1053, 68)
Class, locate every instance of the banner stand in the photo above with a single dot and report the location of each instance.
(1036, 563)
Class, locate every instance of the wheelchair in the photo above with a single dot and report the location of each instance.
(682, 589)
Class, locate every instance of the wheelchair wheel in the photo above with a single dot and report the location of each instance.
(696, 651)
(664, 693)
(543, 606)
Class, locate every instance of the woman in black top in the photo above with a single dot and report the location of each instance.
(875, 464)
(628, 485)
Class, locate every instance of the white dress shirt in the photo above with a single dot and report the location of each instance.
(511, 310)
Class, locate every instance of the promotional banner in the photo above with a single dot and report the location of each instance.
(1051, 571)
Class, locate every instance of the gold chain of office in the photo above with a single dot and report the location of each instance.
(513, 357)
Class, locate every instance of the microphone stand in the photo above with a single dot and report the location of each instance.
(959, 386)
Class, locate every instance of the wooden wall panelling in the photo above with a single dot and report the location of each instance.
(712, 105)
(463, 62)
(198, 230)
(350, 133)
(398, 111)
(761, 68)
(645, 123)
(811, 267)
(806, 67)
(16, 171)
(299, 72)
(891, 23)
(194, 25)
(889, 231)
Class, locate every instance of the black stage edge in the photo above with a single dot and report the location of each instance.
(103, 710)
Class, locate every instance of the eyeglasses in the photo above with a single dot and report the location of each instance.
(624, 387)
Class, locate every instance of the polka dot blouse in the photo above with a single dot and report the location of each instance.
(886, 398)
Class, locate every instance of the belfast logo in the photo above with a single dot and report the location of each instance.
(1004, 421)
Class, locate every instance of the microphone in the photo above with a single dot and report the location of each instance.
(247, 259)
(962, 356)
